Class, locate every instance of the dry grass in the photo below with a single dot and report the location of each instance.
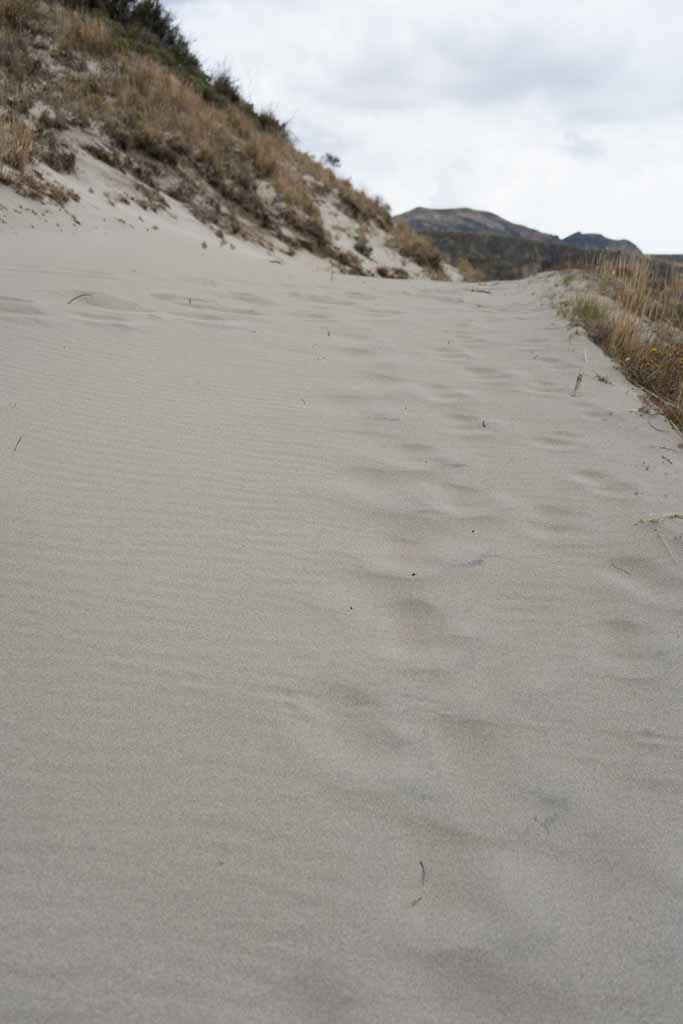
(143, 104)
(161, 124)
(648, 288)
(417, 248)
(634, 311)
(81, 33)
(18, 13)
(469, 272)
(16, 142)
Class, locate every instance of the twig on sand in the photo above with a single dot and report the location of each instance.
(658, 519)
(18, 442)
(423, 870)
(620, 569)
(81, 295)
(579, 376)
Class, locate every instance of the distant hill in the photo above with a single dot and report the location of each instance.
(486, 246)
(475, 222)
(672, 258)
(581, 241)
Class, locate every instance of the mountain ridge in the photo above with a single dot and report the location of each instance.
(466, 220)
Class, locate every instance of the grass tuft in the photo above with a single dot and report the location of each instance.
(418, 248)
(634, 311)
(16, 142)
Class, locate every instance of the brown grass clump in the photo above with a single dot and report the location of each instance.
(469, 272)
(417, 248)
(82, 33)
(16, 142)
(634, 311)
(18, 13)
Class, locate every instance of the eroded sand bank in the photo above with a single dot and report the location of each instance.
(341, 680)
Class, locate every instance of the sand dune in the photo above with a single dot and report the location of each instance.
(341, 674)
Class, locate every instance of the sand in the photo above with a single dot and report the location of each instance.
(340, 673)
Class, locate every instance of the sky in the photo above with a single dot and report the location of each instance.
(564, 116)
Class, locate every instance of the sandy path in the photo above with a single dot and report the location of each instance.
(323, 700)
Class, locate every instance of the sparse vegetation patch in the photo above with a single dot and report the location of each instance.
(633, 309)
(16, 142)
(122, 72)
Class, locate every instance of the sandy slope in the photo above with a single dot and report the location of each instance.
(322, 700)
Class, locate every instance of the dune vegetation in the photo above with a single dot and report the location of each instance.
(118, 78)
(632, 306)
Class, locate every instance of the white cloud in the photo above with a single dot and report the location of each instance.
(565, 117)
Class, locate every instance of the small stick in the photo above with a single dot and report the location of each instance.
(619, 569)
(82, 295)
(18, 442)
(658, 519)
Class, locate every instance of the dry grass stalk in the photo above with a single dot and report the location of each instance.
(16, 142)
(635, 313)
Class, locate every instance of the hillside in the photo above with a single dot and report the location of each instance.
(486, 246)
(465, 220)
(128, 92)
(599, 243)
(673, 258)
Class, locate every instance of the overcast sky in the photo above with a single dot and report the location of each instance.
(565, 116)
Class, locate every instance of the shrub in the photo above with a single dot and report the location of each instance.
(224, 87)
(393, 273)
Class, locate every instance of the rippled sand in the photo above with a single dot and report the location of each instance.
(341, 679)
